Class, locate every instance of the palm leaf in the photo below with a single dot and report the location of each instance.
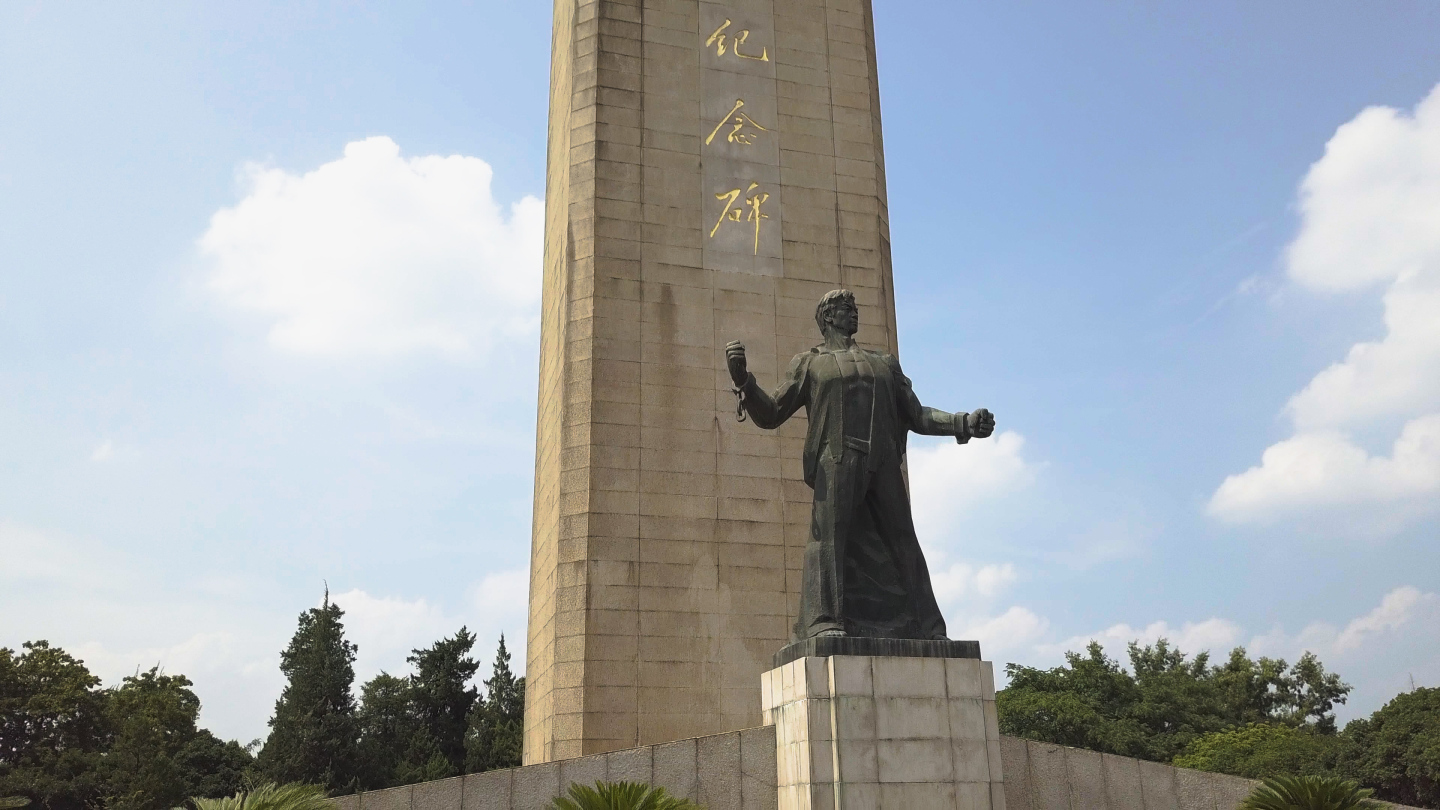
(269, 796)
(620, 796)
(1309, 793)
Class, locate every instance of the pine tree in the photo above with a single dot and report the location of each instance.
(497, 724)
(387, 726)
(313, 733)
(443, 702)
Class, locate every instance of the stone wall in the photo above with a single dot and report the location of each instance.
(732, 771)
(736, 771)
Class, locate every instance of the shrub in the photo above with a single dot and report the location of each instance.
(269, 796)
(620, 796)
(1309, 793)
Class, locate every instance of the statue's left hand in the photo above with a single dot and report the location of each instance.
(980, 423)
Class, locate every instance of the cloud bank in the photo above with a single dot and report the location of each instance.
(1370, 218)
(375, 255)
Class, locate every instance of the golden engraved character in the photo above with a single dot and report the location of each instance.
(737, 213)
(723, 41)
(739, 120)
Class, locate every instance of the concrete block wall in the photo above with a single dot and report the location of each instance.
(737, 771)
(1042, 776)
(731, 771)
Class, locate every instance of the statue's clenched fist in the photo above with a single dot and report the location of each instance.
(735, 359)
(980, 424)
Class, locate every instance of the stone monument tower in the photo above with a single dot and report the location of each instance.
(714, 169)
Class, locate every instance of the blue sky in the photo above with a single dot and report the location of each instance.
(269, 306)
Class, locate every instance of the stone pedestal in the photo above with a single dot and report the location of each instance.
(869, 731)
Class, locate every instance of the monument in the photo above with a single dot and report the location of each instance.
(864, 574)
(714, 169)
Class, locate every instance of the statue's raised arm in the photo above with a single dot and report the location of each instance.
(864, 572)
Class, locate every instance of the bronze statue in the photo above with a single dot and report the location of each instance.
(864, 572)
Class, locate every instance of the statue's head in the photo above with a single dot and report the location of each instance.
(837, 309)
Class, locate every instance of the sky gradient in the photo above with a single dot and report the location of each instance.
(269, 297)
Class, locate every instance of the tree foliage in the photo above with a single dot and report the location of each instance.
(422, 727)
(1168, 702)
(497, 724)
(1260, 750)
(314, 734)
(52, 727)
(155, 748)
(1397, 750)
(68, 744)
(442, 699)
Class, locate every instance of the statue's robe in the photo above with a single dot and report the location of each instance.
(864, 571)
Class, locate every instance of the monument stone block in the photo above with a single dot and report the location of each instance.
(877, 731)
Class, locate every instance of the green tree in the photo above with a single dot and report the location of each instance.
(387, 727)
(1397, 749)
(497, 724)
(1168, 702)
(1084, 704)
(1309, 793)
(214, 767)
(313, 734)
(52, 727)
(1262, 750)
(443, 701)
(157, 754)
(619, 796)
(68, 744)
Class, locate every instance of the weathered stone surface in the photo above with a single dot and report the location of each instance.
(1016, 772)
(675, 768)
(716, 764)
(442, 794)
(718, 768)
(1049, 778)
(584, 770)
(1230, 790)
(629, 765)
(390, 799)
(757, 768)
(1157, 784)
(1122, 783)
(1195, 790)
(1087, 778)
(534, 788)
(487, 791)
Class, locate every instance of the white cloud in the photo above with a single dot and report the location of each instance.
(1011, 631)
(949, 479)
(1402, 608)
(1399, 608)
(1370, 210)
(1327, 468)
(378, 255)
(387, 628)
(103, 452)
(1214, 634)
(961, 580)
